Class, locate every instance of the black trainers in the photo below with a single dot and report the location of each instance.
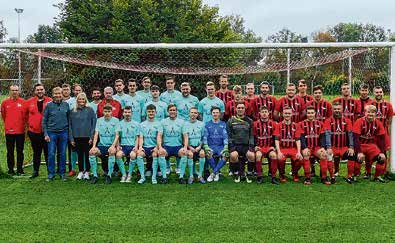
(367, 176)
(275, 181)
(164, 181)
(20, 173)
(259, 179)
(34, 175)
(108, 180)
(11, 172)
(94, 180)
(349, 180)
(333, 180)
(181, 181)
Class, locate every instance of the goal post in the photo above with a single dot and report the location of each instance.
(328, 64)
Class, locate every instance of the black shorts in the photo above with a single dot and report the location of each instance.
(240, 149)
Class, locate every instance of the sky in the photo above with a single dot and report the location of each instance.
(264, 17)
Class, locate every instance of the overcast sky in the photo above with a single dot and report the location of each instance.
(264, 17)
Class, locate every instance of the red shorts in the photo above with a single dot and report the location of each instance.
(289, 153)
(370, 150)
(314, 151)
(339, 151)
(387, 141)
(266, 150)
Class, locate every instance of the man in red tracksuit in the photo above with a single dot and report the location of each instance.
(14, 118)
(34, 111)
(108, 99)
(369, 141)
(287, 144)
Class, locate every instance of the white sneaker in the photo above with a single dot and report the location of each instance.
(230, 173)
(211, 177)
(128, 179)
(154, 181)
(86, 176)
(177, 171)
(168, 171)
(216, 178)
(336, 174)
(141, 181)
(123, 179)
(148, 173)
(80, 176)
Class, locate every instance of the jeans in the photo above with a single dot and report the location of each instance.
(58, 142)
(12, 140)
(38, 146)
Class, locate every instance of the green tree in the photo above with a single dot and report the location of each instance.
(46, 34)
(357, 32)
(3, 31)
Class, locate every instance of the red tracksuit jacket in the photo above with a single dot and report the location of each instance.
(14, 116)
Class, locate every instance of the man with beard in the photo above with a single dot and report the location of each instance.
(185, 102)
(120, 95)
(96, 99)
(224, 93)
(350, 106)
(302, 91)
(323, 109)
(264, 99)
(292, 101)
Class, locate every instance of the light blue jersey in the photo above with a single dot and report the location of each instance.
(195, 132)
(172, 131)
(170, 97)
(128, 131)
(106, 129)
(71, 101)
(149, 131)
(137, 104)
(121, 99)
(184, 104)
(147, 96)
(161, 109)
(205, 105)
(94, 106)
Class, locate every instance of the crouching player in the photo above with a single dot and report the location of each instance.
(369, 141)
(287, 143)
(313, 144)
(150, 144)
(129, 131)
(215, 143)
(339, 142)
(263, 130)
(195, 130)
(104, 144)
(241, 144)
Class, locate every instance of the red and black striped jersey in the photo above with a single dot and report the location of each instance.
(338, 128)
(306, 98)
(268, 101)
(249, 106)
(230, 108)
(287, 134)
(297, 104)
(312, 131)
(368, 131)
(384, 112)
(263, 132)
(323, 109)
(225, 97)
(351, 107)
(362, 104)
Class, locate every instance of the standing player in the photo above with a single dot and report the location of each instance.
(129, 132)
(364, 99)
(161, 107)
(302, 91)
(264, 99)
(350, 106)
(369, 141)
(120, 96)
(241, 143)
(171, 94)
(215, 143)
(135, 101)
(185, 102)
(109, 100)
(322, 107)
(150, 144)
(287, 144)
(224, 93)
(339, 141)
(96, 99)
(249, 99)
(205, 105)
(230, 106)
(296, 103)
(195, 130)
(146, 92)
(263, 130)
(104, 144)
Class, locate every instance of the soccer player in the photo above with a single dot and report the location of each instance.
(351, 107)
(302, 91)
(14, 118)
(369, 141)
(129, 132)
(104, 144)
(109, 100)
(185, 102)
(264, 99)
(287, 144)
(339, 141)
(34, 111)
(313, 143)
(215, 143)
(96, 98)
(296, 103)
(171, 94)
(364, 99)
(205, 105)
(224, 93)
(249, 99)
(135, 101)
(161, 107)
(120, 96)
(230, 106)
(150, 144)
(175, 140)
(146, 92)
(322, 107)
(241, 143)
(195, 130)
(263, 130)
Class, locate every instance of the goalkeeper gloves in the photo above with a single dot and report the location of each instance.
(207, 149)
(225, 151)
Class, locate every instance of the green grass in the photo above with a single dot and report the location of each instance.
(36, 211)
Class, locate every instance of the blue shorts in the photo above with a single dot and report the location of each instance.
(172, 150)
(217, 150)
(148, 151)
(103, 150)
(126, 149)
